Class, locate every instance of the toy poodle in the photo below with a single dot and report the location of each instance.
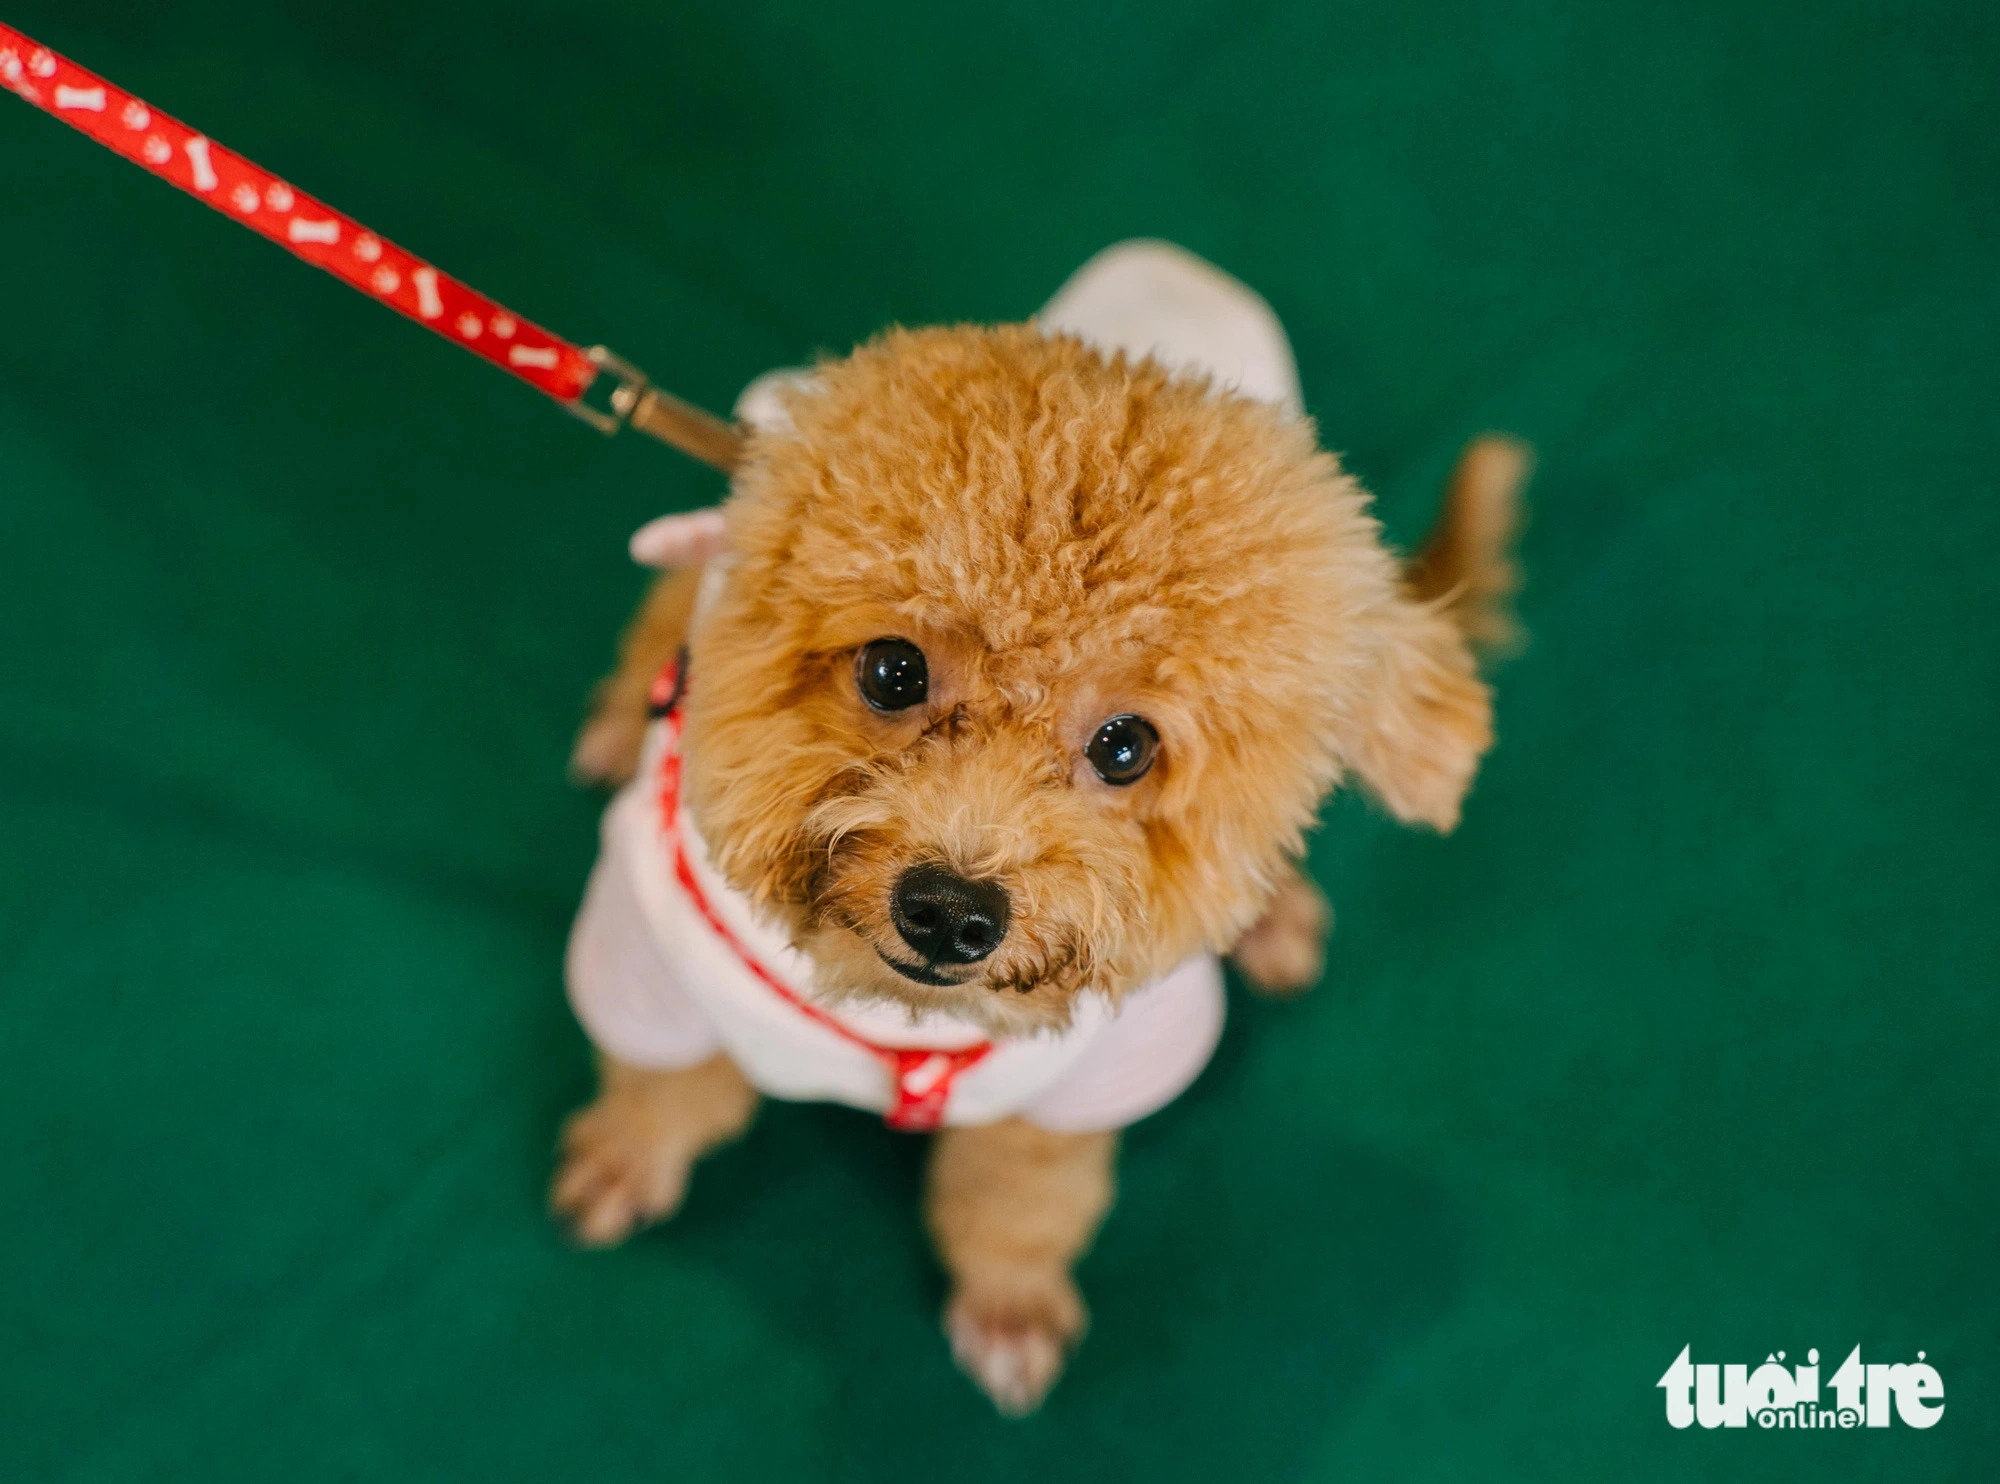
(992, 707)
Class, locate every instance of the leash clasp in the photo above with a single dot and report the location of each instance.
(635, 400)
(631, 386)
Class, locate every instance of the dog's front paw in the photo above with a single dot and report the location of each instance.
(616, 1173)
(1285, 950)
(1013, 1343)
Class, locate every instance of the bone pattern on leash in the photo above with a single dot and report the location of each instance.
(205, 178)
(429, 305)
(310, 229)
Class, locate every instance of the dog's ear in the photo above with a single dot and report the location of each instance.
(1419, 718)
(685, 540)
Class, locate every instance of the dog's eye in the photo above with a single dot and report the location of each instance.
(1123, 749)
(891, 674)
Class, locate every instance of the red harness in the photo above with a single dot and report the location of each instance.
(921, 1077)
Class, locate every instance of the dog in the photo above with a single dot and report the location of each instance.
(1021, 661)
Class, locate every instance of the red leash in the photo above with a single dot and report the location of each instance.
(314, 231)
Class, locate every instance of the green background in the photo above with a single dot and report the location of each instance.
(1687, 1036)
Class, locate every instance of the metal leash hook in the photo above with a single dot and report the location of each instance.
(631, 385)
(634, 400)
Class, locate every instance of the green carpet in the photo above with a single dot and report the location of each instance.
(1687, 1037)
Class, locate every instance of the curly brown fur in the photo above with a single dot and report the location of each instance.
(1466, 564)
(1066, 536)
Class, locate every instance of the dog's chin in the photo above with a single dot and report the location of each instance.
(848, 966)
(922, 973)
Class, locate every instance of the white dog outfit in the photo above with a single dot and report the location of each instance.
(668, 965)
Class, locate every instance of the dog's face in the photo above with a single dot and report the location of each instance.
(1031, 667)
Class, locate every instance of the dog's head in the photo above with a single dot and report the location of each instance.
(1031, 666)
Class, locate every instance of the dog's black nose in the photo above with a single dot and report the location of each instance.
(946, 918)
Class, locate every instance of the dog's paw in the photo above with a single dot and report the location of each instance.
(607, 749)
(1285, 950)
(616, 1173)
(1013, 1345)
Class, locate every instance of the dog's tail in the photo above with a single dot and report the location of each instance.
(1466, 565)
